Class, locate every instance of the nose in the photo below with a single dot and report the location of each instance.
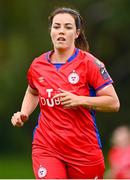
(61, 30)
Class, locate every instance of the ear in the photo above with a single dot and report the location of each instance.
(77, 33)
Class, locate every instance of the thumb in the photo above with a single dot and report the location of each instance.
(24, 117)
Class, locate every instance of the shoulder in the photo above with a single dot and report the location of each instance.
(90, 59)
(40, 58)
(37, 62)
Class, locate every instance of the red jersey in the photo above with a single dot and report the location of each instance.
(69, 134)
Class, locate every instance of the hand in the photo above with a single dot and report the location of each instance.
(18, 119)
(68, 99)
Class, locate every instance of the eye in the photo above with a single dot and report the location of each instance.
(69, 27)
(56, 27)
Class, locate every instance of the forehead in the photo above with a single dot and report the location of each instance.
(63, 18)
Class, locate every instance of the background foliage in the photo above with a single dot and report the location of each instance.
(24, 35)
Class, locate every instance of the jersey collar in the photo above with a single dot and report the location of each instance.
(76, 51)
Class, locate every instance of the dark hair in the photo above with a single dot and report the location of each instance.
(81, 42)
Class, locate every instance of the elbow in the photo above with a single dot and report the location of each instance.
(116, 106)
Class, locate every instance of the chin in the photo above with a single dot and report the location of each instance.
(61, 48)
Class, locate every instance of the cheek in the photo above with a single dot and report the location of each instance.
(71, 37)
(52, 34)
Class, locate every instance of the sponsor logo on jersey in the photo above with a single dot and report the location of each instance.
(42, 172)
(49, 100)
(73, 77)
(104, 73)
(103, 70)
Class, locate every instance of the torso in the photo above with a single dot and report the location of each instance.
(67, 131)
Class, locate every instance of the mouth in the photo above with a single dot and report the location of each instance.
(61, 39)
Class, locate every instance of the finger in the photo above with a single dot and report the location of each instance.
(17, 115)
(65, 103)
(68, 104)
(66, 98)
(12, 121)
(16, 122)
(59, 95)
(67, 107)
(19, 124)
(20, 116)
(24, 117)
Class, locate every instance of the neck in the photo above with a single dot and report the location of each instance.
(62, 55)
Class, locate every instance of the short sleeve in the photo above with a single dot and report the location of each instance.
(98, 76)
(30, 78)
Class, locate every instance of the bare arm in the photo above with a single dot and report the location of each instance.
(30, 101)
(29, 104)
(105, 101)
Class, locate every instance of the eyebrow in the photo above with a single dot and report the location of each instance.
(65, 24)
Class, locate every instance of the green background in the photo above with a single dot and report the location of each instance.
(24, 35)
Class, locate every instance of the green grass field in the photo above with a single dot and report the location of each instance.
(15, 167)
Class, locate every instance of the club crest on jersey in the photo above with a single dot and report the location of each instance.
(73, 77)
(42, 172)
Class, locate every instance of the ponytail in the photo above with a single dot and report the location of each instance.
(81, 42)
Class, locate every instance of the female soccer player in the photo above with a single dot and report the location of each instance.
(70, 84)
